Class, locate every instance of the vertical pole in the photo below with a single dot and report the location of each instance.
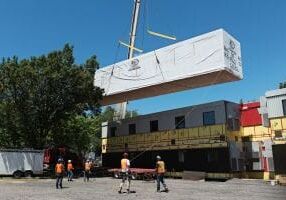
(123, 106)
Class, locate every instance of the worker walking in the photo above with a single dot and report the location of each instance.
(87, 170)
(160, 171)
(60, 170)
(70, 170)
(125, 173)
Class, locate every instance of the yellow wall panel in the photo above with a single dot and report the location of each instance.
(140, 138)
(216, 130)
(248, 131)
(165, 135)
(149, 137)
(174, 134)
(204, 131)
(276, 124)
(262, 131)
(284, 123)
(120, 140)
(157, 136)
(193, 133)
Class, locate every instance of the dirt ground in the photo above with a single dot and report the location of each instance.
(106, 188)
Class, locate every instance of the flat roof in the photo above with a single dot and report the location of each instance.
(139, 117)
(277, 92)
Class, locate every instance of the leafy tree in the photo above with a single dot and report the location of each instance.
(108, 114)
(131, 113)
(82, 134)
(41, 94)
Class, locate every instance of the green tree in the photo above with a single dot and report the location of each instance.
(82, 134)
(41, 94)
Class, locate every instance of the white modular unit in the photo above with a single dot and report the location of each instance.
(21, 161)
(204, 60)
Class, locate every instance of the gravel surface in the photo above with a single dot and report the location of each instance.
(106, 188)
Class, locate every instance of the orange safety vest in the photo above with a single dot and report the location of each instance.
(70, 167)
(124, 165)
(87, 166)
(161, 167)
(59, 168)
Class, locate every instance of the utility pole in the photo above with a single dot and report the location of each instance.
(122, 107)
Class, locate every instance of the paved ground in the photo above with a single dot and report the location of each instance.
(106, 188)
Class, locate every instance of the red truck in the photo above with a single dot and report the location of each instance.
(52, 154)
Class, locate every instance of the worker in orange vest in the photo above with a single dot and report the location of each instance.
(125, 173)
(87, 170)
(59, 170)
(70, 170)
(160, 171)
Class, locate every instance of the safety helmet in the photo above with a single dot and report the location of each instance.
(69, 161)
(158, 157)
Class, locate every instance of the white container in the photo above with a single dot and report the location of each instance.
(207, 59)
(21, 162)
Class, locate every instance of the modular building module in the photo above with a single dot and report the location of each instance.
(193, 138)
(204, 60)
(220, 137)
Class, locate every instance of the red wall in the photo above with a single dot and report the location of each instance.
(249, 115)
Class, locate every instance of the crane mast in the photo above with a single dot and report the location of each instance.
(122, 107)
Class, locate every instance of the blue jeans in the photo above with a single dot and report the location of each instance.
(70, 175)
(160, 179)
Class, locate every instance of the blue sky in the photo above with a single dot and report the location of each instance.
(35, 27)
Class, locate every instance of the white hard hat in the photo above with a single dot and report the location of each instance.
(158, 157)
(69, 160)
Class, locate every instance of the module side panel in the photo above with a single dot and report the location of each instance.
(182, 61)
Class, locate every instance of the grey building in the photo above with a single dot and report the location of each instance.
(218, 112)
(273, 104)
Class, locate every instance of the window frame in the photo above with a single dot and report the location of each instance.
(151, 126)
(204, 118)
(177, 119)
(284, 106)
(129, 129)
(113, 130)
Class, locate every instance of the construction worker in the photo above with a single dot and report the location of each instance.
(125, 172)
(59, 170)
(160, 171)
(87, 170)
(70, 170)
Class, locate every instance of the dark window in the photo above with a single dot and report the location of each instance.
(113, 131)
(180, 122)
(154, 126)
(132, 129)
(209, 118)
(278, 134)
(284, 106)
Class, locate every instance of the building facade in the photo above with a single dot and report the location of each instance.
(219, 137)
(273, 108)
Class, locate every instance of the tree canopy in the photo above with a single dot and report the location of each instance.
(42, 100)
